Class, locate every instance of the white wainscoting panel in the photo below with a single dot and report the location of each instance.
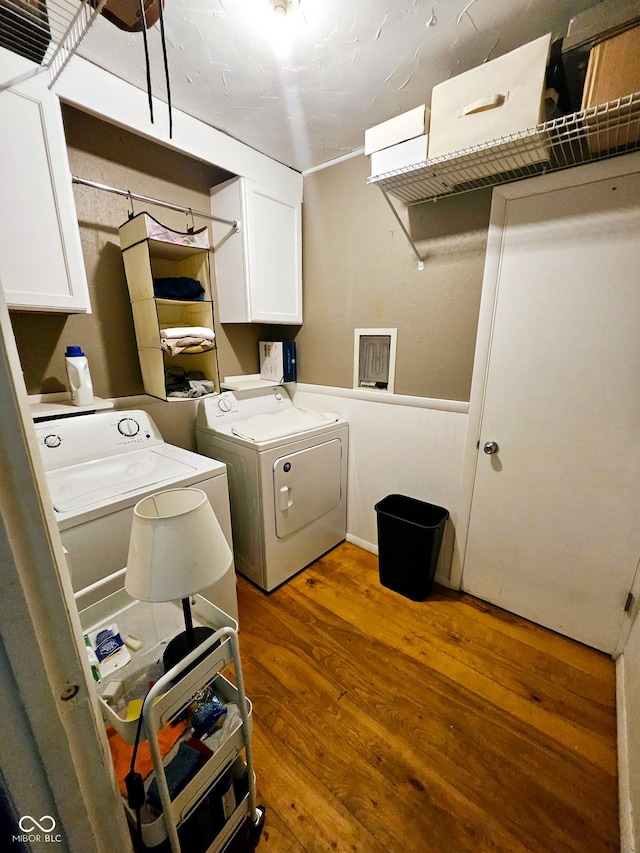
(403, 447)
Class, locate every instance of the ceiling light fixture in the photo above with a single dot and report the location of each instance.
(283, 7)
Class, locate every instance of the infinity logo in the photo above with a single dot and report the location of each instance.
(45, 824)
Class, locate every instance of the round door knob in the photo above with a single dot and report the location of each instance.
(491, 447)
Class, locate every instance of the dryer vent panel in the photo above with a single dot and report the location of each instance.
(374, 359)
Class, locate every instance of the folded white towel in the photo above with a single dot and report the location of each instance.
(280, 424)
(188, 331)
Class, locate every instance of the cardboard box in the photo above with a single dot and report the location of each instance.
(405, 126)
(278, 361)
(494, 100)
(613, 71)
(399, 156)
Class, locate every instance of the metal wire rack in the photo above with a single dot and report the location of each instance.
(46, 31)
(592, 134)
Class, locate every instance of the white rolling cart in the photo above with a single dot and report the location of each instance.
(184, 824)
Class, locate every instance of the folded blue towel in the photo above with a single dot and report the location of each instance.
(179, 287)
(178, 771)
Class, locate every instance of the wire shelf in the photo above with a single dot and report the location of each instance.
(47, 32)
(595, 133)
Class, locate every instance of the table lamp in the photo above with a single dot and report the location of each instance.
(177, 549)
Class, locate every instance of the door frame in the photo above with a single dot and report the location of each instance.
(59, 765)
(576, 176)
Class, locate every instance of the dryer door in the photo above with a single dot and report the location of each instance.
(306, 485)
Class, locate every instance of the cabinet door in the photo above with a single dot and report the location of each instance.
(259, 268)
(273, 251)
(41, 263)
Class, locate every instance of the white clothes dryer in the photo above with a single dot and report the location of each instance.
(98, 466)
(287, 472)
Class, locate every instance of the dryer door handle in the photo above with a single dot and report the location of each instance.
(283, 497)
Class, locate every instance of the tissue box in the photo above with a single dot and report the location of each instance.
(399, 156)
(406, 126)
(278, 361)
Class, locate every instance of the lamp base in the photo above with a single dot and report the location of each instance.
(179, 647)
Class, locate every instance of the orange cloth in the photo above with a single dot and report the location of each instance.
(122, 751)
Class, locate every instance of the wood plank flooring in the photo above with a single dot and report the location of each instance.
(382, 725)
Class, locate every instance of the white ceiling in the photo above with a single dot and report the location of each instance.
(304, 92)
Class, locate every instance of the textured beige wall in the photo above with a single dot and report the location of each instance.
(359, 272)
(106, 154)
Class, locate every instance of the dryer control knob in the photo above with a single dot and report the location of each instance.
(128, 427)
(52, 440)
(224, 404)
(278, 396)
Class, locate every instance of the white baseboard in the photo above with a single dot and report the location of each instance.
(627, 841)
(362, 543)
(369, 546)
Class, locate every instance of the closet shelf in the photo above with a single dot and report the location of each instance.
(47, 33)
(592, 134)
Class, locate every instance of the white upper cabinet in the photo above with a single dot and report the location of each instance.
(258, 268)
(41, 263)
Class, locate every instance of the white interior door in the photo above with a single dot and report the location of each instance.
(553, 532)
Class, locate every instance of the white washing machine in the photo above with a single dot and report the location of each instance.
(98, 466)
(287, 473)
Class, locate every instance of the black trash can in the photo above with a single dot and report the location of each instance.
(409, 538)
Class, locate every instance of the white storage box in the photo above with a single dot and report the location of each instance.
(399, 156)
(499, 98)
(405, 126)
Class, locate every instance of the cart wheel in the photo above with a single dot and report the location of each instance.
(257, 821)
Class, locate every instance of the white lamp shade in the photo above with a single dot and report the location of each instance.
(177, 547)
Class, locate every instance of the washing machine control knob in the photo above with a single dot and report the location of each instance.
(278, 396)
(52, 440)
(128, 427)
(224, 404)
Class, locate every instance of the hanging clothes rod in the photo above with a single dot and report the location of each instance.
(147, 200)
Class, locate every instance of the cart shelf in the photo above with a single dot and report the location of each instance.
(191, 820)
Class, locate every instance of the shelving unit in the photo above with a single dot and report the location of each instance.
(47, 33)
(592, 134)
(195, 821)
(149, 251)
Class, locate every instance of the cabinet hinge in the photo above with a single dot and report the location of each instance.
(629, 602)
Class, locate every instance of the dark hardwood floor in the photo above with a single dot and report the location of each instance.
(381, 724)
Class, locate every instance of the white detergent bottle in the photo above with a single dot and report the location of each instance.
(79, 377)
